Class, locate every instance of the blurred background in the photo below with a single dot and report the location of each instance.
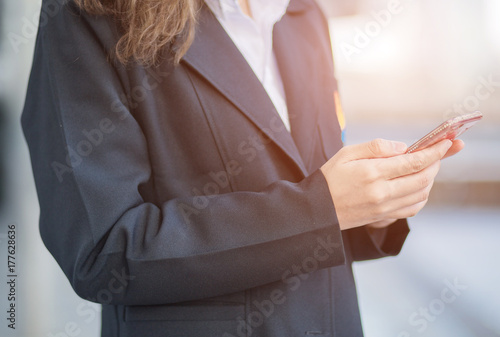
(403, 67)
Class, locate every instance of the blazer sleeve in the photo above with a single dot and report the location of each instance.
(365, 247)
(94, 220)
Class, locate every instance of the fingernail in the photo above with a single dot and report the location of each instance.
(399, 147)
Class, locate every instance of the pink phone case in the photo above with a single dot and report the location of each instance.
(450, 129)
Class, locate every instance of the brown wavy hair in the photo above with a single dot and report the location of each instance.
(148, 26)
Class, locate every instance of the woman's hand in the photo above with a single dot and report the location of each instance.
(376, 182)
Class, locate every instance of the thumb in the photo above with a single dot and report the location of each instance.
(377, 148)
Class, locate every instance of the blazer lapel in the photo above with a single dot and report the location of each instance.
(297, 72)
(215, 57)
(306, 67)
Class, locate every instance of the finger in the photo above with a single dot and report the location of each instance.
(413, 162)
(409, 211)
(406, 185)
(406, 202)
(457, 146)
(377, 148)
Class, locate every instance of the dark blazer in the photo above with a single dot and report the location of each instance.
(176, 197)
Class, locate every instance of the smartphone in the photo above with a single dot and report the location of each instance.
(450, 129)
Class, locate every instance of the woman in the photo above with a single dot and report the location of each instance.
(181, 155)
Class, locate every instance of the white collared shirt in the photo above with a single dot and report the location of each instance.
(254, 39)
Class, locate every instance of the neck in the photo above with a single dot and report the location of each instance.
(245, 7)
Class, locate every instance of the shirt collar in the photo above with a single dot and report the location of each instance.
(276, 7)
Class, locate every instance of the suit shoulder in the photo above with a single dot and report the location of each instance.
(63, 21)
